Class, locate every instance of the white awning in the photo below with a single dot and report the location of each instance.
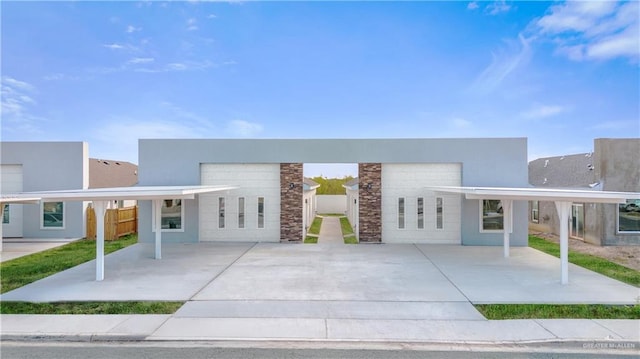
(125, 193)
(563, 199)
(101, 198)
(539, 194)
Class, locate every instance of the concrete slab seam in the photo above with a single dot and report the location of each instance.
(441, 272)
(224, 270)
(545, 328)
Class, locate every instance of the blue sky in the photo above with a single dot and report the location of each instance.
(559, 73)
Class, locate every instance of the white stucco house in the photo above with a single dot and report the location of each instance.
(309, 189)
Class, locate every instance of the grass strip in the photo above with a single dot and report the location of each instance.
(315, 226)
(28, 269)
(558, 311)
(129, 307)
(311, 240)
(593, 263)
(331, 214)
(345, 226)
(350, 240)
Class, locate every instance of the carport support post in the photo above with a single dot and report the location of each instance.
(100, 208)
(157, 206)
(507, 210)
(563, 212)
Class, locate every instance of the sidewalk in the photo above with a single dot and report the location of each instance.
(620, 334)
(330, 231)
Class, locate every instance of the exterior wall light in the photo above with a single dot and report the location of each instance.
(369, 186)
(292, 185)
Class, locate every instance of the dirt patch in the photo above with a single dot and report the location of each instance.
(628, 256)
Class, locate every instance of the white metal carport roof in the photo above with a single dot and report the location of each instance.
(563, 199)
(101, 198)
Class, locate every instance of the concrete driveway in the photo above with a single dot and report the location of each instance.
(19, 247)
(274, 276)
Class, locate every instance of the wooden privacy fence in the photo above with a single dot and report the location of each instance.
(117, 222)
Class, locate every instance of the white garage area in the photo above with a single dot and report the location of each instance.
(411, 214)
(11, 182)
(249, 213)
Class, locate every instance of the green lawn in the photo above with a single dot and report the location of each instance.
(90, 308)
(596, 264)
(315, 226)
(24, 270)
(558, 311)
(347, 231)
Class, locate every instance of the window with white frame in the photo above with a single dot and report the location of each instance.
(171, 214)
(629, 216)
(535, 211)
(221, 210)
(6, 214)
(401, 213)
(53, 215)
(439, 207)
(260, 212)
(492, 217)
(420, 212)
(240, 212)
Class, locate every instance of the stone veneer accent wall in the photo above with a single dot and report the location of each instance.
(370, 207)
(291, 202)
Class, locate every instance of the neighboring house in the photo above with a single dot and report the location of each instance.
(53, 166)
(351, 188)
(111, 173)
(43, 166)
(309, 201)
(393, 203)
(613, 166)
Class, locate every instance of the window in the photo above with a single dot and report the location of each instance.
(5, 214)
(171, 213)
(629, 216)
(260, 212)
(53, 215)
(439, 205)
(241, 212)
(535, 210)
(492, 217)
(401, 213)
(220, 212)
(420, 213)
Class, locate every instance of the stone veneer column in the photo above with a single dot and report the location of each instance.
(291, 202)
(370, 206)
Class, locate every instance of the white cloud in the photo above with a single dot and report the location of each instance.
(543, 111)
(192, 24)
(497, 7)
(503, 64)
(212, 16)
(114, 46)
(593, 30)
(131, 29)
(244, 128)
(473, 5)
(17, 106)
(141, 60)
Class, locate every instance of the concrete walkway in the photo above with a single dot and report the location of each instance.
(18, 247)
(364, 293)
(330, 231)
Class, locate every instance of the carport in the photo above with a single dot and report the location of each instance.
(563, 198)
(103, 197)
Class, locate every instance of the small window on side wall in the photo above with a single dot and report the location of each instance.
(492, 216)
(629, 216)
(53, 215)
(400, 213)
(420, 212)
(260, 212)
(439, 206)
(6, 214)
(221, 210)
(535, 210)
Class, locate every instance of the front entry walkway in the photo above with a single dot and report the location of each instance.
(330, 232)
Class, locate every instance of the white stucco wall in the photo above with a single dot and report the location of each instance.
(332, 203)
